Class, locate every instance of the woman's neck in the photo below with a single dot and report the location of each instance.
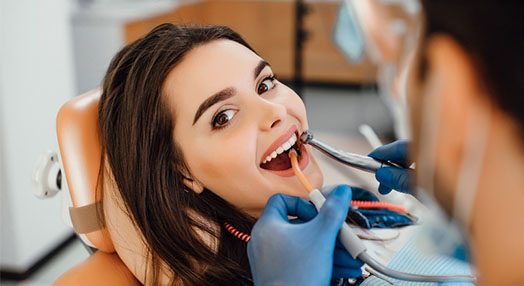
(497, 230)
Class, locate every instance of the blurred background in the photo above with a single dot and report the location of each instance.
(53, 50)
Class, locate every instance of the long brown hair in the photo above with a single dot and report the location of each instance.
(148, 167)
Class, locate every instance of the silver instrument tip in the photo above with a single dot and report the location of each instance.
(306, 137)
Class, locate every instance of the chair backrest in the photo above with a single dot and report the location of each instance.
(80, 149)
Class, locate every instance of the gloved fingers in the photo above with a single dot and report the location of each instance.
(281, 206)
(394, 178)
(342, 258)
(343, 272)
(335, 209)
(396, 152)
(338, 244)
(297, 221)
(383, 189)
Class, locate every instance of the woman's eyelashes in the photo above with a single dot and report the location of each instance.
(266, 85)
(223, 118)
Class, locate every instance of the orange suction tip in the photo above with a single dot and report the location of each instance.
(293, 156)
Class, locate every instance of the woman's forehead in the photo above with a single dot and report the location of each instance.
(208, 69)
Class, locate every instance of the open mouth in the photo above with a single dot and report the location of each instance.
(278, 160)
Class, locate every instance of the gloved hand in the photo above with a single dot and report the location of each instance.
(303, 251)
(393, 178)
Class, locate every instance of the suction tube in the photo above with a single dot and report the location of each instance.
(356, 247)
(369, 260)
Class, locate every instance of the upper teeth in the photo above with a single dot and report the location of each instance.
(281, 149)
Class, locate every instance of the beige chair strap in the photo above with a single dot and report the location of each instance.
(85, 219)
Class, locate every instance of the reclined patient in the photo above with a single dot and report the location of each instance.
(195, 131)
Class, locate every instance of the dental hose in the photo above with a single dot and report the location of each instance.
(356, 247)
(355, 204)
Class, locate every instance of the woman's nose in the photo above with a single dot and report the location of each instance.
(272, 115)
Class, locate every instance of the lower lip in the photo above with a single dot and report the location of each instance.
(304, 161)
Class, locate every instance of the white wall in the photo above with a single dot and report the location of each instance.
(98, 33)
(36, 77)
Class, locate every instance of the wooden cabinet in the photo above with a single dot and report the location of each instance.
(269, 27)
(323, 62)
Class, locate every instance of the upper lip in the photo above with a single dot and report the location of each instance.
(279, 141)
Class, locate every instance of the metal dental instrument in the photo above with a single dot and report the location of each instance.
(357, 161)
(356, 247)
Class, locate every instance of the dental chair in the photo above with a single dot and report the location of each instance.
(80, 152)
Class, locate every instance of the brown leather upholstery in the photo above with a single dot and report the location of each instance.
(80, 149)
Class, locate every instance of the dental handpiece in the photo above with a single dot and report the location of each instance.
(364, 163)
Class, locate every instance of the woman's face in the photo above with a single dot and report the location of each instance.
(230, 115)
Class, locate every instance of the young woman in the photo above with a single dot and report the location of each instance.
(195, 130)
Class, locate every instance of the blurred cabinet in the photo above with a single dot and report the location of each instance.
(269, 27)
(322, 60)
(101, 29)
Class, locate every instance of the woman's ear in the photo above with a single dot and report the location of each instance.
(194, 185)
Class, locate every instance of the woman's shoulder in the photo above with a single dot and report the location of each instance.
(99, 269)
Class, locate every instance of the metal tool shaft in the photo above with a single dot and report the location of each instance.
(357, 161)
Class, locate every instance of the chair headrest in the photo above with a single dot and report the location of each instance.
(80, 148)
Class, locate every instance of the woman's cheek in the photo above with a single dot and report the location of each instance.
(296, 108)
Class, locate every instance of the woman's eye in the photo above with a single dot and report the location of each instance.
(223, 118)
(266, 85)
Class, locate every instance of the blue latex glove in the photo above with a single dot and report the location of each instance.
(393, 178)
(303, 251)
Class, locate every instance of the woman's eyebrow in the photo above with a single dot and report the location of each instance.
(261, 65)
(225, 93)
(212, 100)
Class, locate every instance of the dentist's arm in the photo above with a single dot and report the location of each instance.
(301, 252)
(393, 178)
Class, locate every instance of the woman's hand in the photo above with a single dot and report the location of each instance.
(302, 251)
